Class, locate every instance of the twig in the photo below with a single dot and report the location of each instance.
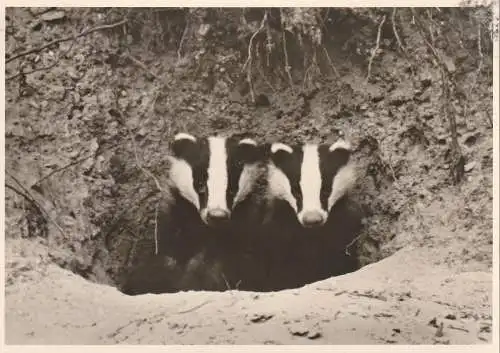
(63, 168)
(248, 62)
(458, 328)
(65, 39)
(348, 246)
(156, 228)
(136, 155)
(330, 61)
(28, 196)
(431, 31)
(226, 282)
(45, 68)
(181, 44)
(314, 64)
(374, 51)
(394, 29)
(266, 81)
(457, 158)
(287, 64)
(141, 65)
(478, 71)
(194, 307)
(250, 46)
(138, 163)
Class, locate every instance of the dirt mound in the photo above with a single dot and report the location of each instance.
(89, 119)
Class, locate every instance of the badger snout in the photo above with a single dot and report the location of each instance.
(312, 219)
(217, 216)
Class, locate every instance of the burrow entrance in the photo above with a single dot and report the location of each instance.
(123, 253)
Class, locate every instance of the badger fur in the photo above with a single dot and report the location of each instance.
(309, 218)
(210, 182)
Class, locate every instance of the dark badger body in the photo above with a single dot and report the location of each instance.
(253, 217)
(310, 219)
(210, 178)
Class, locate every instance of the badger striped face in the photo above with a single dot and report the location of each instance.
(311, 178)
(210, 173)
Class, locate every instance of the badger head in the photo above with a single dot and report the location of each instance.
(212, 173)
(311, 178)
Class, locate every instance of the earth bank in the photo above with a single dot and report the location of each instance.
(80, 134)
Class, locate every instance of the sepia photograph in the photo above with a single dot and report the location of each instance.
(251, 175)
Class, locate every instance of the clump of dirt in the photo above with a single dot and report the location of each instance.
(89, 119)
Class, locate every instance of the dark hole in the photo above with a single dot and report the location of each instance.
(220, 259)
(470, 140)
(37, 26)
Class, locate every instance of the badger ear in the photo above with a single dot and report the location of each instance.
(278, 147)
(340, 145)
(247, 141)
(280, 151)
(340, 152)
(248, 150)
(182, 144)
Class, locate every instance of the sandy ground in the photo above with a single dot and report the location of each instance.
(69, 152)
(404, 299)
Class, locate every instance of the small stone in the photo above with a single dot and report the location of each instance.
(425, 79)
(34, 105)
(53, 16)
(450, 65)
(377, 97)
(450, 317)
(469, 166)
(433, 322)
(314, 335)
(35, 11)
(299, 330)
(73, 74)
(398, 97)
(257, 318)
(204, 29)
(142, 132)
(36, 26)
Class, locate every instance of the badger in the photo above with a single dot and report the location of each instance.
(209, 180)
(310, 219)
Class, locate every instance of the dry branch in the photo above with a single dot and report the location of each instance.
(248, 63)
(457, 158)
(45, 68)
(181, 44)
(136, 155)
(478, 71)
(287, 65)
(394, 29)
(375, 50)
(80, 160)
(156, 228)
(334, 69)
(141, 65)
(66, 39)
(29, 197)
